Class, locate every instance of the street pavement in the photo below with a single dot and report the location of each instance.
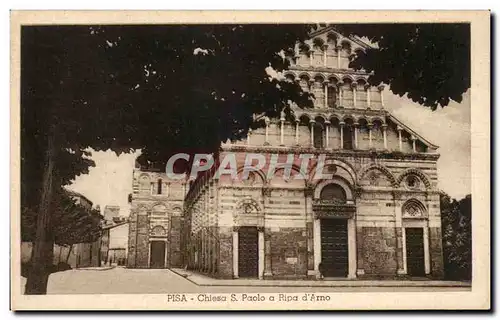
(140, 281)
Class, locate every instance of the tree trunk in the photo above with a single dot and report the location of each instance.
(60, 252)
(43, 246)
(69, 253)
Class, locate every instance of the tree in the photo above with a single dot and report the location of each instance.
(71, 223)
(428, 62)
(457, 237)
(125, 88)
(162, 89)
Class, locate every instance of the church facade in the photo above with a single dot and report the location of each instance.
(377, 215)
(155, 221)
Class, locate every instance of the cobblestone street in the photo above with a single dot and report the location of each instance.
(136, 281)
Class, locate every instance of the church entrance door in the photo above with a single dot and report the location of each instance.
(415, 251)
(334, 257)
(157, 260)
(248, 252)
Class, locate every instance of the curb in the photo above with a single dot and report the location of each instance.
(96, 268)
(346, 284)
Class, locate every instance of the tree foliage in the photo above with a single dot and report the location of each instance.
(72, 223)
(428, 62)
(161, 89)
(457, 237)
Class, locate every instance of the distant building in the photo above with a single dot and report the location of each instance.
(114, 244)
(111, 212)
(155, 220)
(80, 199)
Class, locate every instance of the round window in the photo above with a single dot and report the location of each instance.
(412, 182)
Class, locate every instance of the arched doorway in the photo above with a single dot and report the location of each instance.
(157, 255)
(158, 248)
(334, 237)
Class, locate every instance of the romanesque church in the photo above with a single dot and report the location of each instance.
(377, 216)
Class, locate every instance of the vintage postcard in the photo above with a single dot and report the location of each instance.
(322, 160)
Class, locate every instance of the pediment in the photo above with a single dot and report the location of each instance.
(325, 35)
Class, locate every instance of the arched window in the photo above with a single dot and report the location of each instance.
(304, 52)
(319, 93)
(332, 96)
(159, 187)
(304, 83)
(144, 185)
(348, 137)
(318, 136)
(333, 192)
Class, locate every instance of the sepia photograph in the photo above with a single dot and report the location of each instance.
(225, 160)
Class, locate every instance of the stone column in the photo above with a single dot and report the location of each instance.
(400, 235)
(266, 195)
(339, 49)
(311, 57)
(354, 86)
(427, 260)
(356, 135)
(312, 88)
(325, 47)
(309, 215)
(370, 126)
(312, 122)
(368, 102)
(327, 133)
(235, 252)
(339, 88)
(317, 245)
(262, 255)
(351, 248)
(414, 143)
(297, 121)
(149, 254)
(403, 243)
(381, 89)
(282, 120)
(384, 131)
(326, 92)
(341, 135)
(400, 138)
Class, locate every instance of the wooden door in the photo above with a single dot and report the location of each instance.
(248, 252)
(334, 247)
(415, 261)
(157, 255)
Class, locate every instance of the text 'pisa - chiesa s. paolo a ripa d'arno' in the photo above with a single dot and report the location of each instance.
(377, 215)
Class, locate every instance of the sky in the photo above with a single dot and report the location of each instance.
(110, 181)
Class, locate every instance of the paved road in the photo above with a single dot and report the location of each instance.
(134, 281)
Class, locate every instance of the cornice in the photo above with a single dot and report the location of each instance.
(327, 70)
(342, 153)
